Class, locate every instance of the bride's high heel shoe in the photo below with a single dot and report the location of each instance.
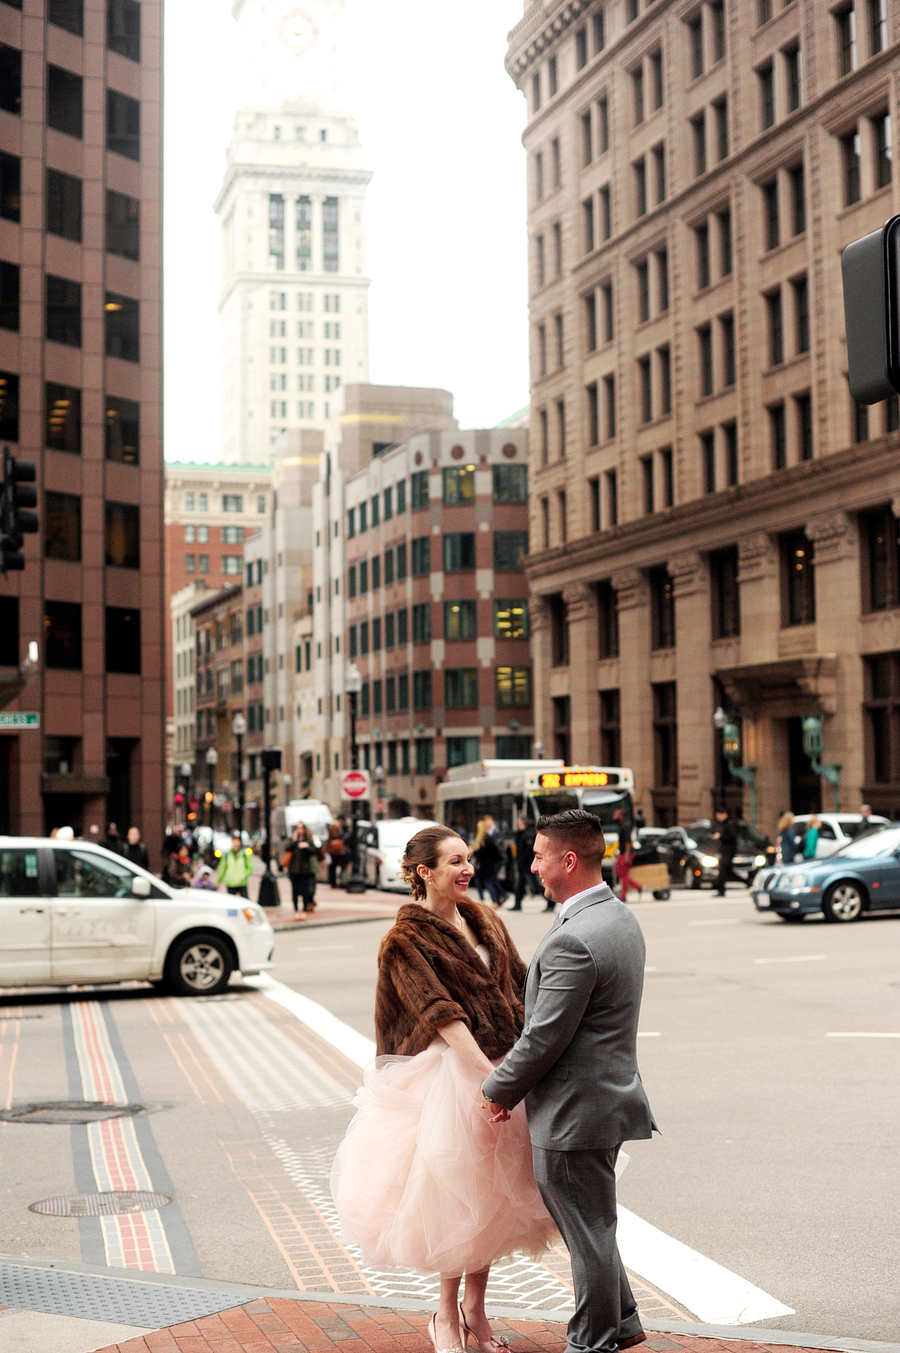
(432, 1334)
(495, 1344)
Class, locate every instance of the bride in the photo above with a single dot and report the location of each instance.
(424, 1179)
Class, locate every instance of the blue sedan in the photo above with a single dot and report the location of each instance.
(862, 876)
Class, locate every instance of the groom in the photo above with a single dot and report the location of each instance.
(575, 1065)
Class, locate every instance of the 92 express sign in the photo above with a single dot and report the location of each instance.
(355, 784)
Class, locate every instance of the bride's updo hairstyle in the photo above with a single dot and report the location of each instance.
(423, 848)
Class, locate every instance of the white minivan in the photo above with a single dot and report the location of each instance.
(73, 912)
(385, 844)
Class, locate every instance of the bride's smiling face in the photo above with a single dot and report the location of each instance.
(452, 873)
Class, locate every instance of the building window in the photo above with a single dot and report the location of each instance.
(63, 205)
(62, 526)
(794, 78)
(123, 641)
(610, 728)
(459, 484)
(461, 688)
(460, 620)
(642, 278)
(63, 321)
(459, 551)
(123, 433)
(883, 139)
(363, 638)
(708, 461)
(798, 580)
(659, 173)
(775, 327)
(593, 406)
(68, 14)
(778, 436)
(705, 354)
(880, 559)
(647, 482)
(559, 630)
(803, 409)
(639, 169)
(509, 483)
(330, 235)
(766, 77)
(363, 576)
(123, 535)
(701, 235)
(10, 187)
(609, 392)
(424, 756)
(421, 622)
(587, 224)
(725, 251)
(612, 497)
(510, 619)
(62, 408)
(846, 36)
(123, 125)
(851, 157)
(512, 687)
(725, 593)
(123, 327)
(720, 113)
(695, 44)
(123, 225)
(698, 136)
(62, 635)
(607, 620)
(645, 385)
(587, 139)
(418, 492)
(123, 28)
(731, 453)
(665, 735)
(64, 100)
(581, 48)
(603, 125)
(510, 548)
(422, 689)
(605, 212)
(662, 608)
(801, 314)
(562, 727)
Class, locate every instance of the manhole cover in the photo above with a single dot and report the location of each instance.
(99, 1204)
(68, 1111)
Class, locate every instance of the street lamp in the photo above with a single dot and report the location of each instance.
(212, 760)
(353, 685)
(239, 728)
(731, 750)
(268, 890)
(813, 746)
(379, 787)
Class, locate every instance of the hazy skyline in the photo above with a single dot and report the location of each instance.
(440, 122)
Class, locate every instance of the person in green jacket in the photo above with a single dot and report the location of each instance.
(236, 867)
(811, 839)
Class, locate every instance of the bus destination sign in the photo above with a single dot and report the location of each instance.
(572, 777)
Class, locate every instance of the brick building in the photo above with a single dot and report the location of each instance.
(218, 622)
(80, 394)
(713, 520)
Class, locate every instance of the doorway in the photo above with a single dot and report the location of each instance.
(806, 786)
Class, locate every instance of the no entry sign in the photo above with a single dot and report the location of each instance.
(355, 784)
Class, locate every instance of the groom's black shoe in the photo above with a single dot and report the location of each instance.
(630, 1343)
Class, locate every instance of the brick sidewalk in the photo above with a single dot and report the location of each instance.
(332, 905)
(279, 1325)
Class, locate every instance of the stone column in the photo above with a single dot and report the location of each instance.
(836, 556)
(541, 664)
(696, 773)
(581, 616)
(635, 703)
(760, 591)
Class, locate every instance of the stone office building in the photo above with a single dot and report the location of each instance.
(80, 394)
(713, 520)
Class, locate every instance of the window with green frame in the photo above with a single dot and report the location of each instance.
(459, 551)
(510, 548)
(461, 688)
(418, 489)
(422, 689)
(510, 483)
(421, 622)
(424, 756)
(421, 556)
(511, 618)
(513, 687)
(460, 619)
(459, 484)
(462, 751)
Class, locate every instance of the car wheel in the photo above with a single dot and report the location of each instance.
(199, 965)
(843, 902)
(663, 895)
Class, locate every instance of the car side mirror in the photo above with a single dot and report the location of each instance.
(140, 887)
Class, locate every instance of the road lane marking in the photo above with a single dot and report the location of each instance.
(721, 920)
(791, 958)
(713, 1293)
(854, 1035)
(708, 1290)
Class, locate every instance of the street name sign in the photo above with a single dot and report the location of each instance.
(19, 719)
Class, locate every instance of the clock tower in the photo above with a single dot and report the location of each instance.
(292, 49)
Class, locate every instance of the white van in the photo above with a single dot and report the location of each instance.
(314, 814)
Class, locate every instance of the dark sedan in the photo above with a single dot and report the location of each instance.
(692, 855)
(862, 876)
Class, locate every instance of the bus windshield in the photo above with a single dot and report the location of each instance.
(556, 802)
(604, 802)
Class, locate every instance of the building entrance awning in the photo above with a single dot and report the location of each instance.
(784, 688)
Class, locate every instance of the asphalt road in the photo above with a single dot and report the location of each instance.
(778, 1153)
(777, 1158)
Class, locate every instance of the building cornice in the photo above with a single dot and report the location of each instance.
(863, 475)
(359, 178)
(540, 30)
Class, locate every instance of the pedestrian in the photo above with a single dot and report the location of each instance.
(299, 859)
(135, 850)
(787, 839)
(173, 840)
(235, 867)
(422, 1180)
(336, 851)
(112, 840)
(811, 839)
(624, 829)
(624, 861)
(65, 834)
(179, 870)
(488, 858)
(205, 879)
(727, 838)
(575, 1066)
(524, 856)
(640, 821)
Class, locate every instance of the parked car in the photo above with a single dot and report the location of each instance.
(864, 875)
(385, 843)
(692, 856)
(837, 829)
(74, 912)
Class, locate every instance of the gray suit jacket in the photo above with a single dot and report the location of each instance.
(575, 1063)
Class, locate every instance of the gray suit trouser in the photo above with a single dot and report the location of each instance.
(579, 1191)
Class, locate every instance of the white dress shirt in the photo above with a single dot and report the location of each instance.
(576, 897)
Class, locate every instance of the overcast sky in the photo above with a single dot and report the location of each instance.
(440, 122)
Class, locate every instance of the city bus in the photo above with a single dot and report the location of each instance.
(509, 789)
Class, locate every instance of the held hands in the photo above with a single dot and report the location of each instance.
(497, 1112)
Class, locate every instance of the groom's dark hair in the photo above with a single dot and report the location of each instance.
(578, 830)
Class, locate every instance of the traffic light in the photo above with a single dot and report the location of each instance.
(871, 274)
(16, 520)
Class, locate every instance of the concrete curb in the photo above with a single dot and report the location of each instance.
(300, 926)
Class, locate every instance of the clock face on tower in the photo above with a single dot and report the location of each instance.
(298, 32)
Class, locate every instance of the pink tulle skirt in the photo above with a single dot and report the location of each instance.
(424, 1181)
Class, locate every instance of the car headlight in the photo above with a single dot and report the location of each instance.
(798, 880)
(254, 915)
(709, 861)
(759, 861)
